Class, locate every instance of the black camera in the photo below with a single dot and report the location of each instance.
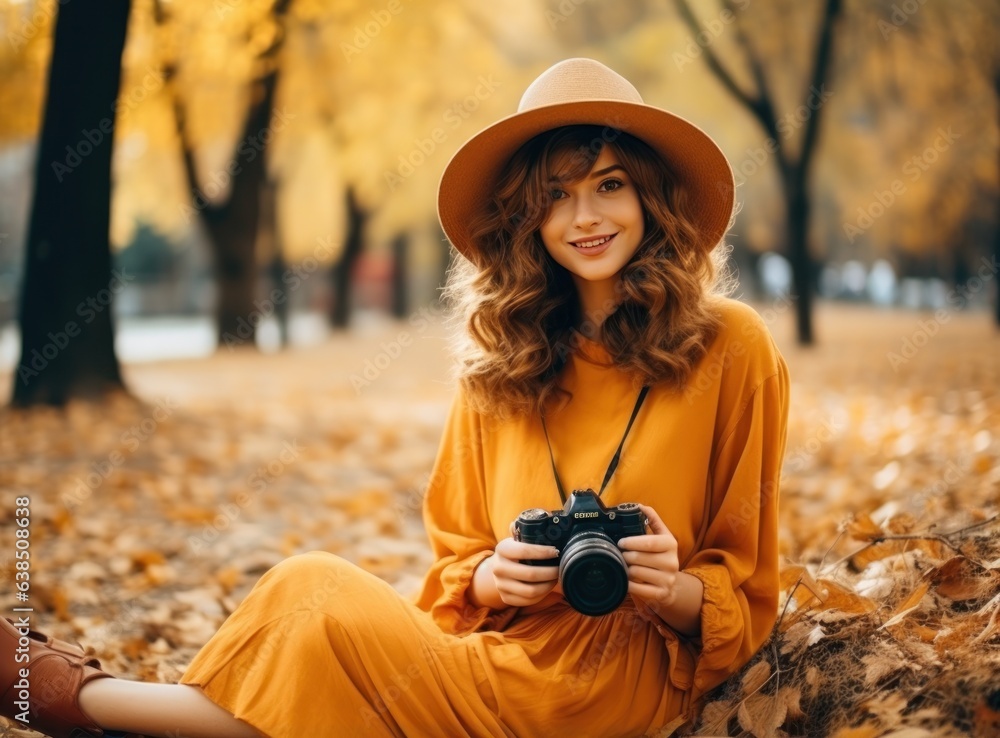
(592, 570)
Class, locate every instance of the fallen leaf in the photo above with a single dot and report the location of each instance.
(715, 718)
(839, 597)
(862, 528)
(912, 602)
(762, 714)
(886, 708)
(961, 579)
(792, 697)
(755, 677)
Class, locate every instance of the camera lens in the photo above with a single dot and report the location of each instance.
(593, 573)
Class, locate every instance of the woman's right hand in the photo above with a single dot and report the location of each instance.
(514, 583)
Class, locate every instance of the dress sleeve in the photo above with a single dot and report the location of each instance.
(738, 560)
(457, 521)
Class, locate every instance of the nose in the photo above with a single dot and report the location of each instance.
(586, 215)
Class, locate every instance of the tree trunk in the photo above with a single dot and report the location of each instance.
(270, 246)
(232, 230)
(340, 274)
(67, 339)
(232, 225)
(400, 275)
(797, 224)
(794, 171)
(276, 271)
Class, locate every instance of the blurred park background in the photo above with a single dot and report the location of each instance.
(227, 208)
(275, 163)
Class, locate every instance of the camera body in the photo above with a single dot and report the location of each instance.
(592, 569)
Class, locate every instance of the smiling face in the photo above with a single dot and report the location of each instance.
(594, 226)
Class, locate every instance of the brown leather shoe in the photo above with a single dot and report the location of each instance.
(40, 680)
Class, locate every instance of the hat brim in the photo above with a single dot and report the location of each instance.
(695, 160)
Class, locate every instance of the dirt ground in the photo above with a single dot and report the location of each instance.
(149, 522)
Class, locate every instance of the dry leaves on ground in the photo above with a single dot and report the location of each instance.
(151, 521)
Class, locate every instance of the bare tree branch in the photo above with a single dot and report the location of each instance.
(820, 67)
(714, 63)
(765, 100)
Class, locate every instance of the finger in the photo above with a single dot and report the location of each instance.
(513, 588)
(655, 577)
(524, 573)
(664, 543)
(520, 593)
(652, 596)
(508, 548)
(656, 526)
(661, 560)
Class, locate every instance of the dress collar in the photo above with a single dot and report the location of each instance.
(590, 350)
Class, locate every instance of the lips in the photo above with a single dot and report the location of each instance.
(593, 246)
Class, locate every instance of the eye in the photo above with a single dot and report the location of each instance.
(610, 185)
(556, 194)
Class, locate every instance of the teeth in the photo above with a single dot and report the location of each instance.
(591, 244)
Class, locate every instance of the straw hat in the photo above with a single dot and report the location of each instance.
(584, 91)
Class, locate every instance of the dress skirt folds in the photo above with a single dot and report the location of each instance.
(322, 648)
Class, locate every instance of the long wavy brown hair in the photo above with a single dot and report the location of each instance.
(516, 312)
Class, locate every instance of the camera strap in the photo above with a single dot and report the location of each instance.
(614, 459)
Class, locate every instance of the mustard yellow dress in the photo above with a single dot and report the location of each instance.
(322, 648)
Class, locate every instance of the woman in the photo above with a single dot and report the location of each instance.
(587, 223)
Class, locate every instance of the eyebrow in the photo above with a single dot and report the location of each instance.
(606, 170)
(595, 175)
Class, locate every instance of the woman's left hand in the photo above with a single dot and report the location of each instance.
(652, 563)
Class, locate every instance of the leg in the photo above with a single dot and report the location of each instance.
(69, 694)
(167, 710)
